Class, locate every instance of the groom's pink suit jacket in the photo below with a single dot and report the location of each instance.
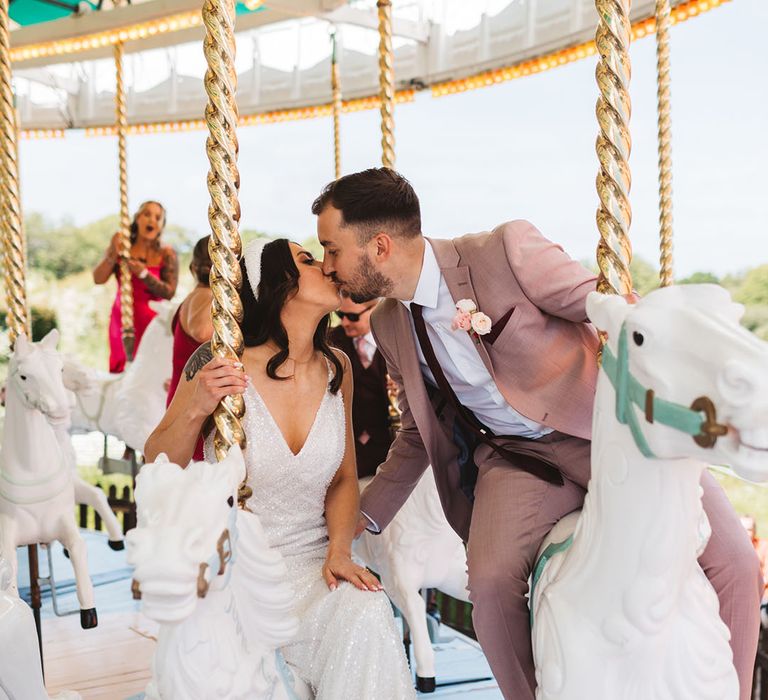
(543, 364)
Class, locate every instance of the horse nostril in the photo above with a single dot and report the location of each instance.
(737, 383)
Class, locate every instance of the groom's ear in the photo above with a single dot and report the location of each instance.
(384, 246)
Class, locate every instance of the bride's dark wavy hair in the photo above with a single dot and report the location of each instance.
(261, 318)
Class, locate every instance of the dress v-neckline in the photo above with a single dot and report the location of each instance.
(293, 454)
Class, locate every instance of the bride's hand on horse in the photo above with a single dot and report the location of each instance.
(341, 567)
(218, 378)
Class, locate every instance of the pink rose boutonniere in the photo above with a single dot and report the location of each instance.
(469, 319)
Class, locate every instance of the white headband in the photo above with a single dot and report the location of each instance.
(252, 256)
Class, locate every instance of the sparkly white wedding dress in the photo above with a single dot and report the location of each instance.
(347, 647)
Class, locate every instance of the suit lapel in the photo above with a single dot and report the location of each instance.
(459, 284)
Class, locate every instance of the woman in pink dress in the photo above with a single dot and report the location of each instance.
(154, 275)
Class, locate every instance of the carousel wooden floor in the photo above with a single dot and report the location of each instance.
(112, 661)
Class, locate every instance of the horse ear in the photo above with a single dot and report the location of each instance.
(22, 346)
(607, 312)
(51, 340)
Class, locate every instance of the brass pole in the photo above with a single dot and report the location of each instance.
(224, 212)
(14, 244)
(386, 84)
(14, 247)
(336, 88)
(126, 284)
(614, 215)
(664, 83)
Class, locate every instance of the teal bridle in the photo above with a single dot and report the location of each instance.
(699, 420)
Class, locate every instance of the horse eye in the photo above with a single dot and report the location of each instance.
(638, 338)
(23, 377)
(231, 501)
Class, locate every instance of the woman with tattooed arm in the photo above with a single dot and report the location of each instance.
(154, 275)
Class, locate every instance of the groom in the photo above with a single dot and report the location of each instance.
(502, 411)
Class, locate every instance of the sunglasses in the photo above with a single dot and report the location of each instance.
(354, 318)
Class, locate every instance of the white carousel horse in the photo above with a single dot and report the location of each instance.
(205, 572)
(37, 497)
(21, 674)
(418, 550)
(128, 405)
(625, 612)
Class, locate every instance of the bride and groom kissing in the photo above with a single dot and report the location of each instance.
(487, 338)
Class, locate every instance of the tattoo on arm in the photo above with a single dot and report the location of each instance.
(200, 357)
(165, 287)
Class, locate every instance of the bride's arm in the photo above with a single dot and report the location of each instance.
(342, 506)
(205, 381)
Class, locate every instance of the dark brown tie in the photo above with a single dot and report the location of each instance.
(527, 462)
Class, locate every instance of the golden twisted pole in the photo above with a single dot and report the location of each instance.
(664, 82)
(386, 84)
(14, 248)
(614, 216)
(336, 88)
(126, 283)
(224, 212)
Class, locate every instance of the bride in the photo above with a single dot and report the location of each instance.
(300, 459)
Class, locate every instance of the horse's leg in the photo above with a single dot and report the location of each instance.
(96, 499)
(78, 554)
(404, 591)
(8, 548)
(455, 580)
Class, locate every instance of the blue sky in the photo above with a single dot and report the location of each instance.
(524, 149)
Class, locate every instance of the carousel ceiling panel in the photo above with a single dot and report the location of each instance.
(96, 27)
(425, 54)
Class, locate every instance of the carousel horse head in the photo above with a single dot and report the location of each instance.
(35, 376)
(185, 538)
(690, 381)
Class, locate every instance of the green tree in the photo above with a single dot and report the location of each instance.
(645, 277)
(700, 278)
(754, 290)
(63, 249)
(41, 319)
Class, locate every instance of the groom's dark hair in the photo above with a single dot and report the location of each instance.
(371, 200)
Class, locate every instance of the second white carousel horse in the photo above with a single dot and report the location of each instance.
(205, 572)
(86, 493)
(21, 674)
(128, 405)
(418, 550)
(621, 610)
(37, 498)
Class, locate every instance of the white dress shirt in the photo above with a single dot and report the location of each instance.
(459, 359)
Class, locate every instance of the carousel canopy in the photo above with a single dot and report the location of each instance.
(65, 74)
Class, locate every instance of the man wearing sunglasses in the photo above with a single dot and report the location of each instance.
(370, 406)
